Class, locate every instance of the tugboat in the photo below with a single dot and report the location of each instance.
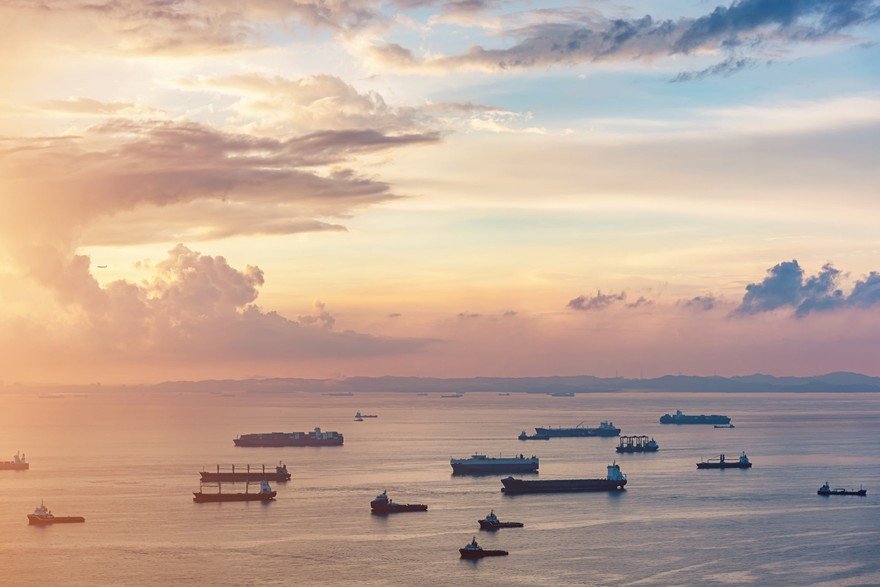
(524, 436)
(614, 481)
(358, 417)
(18, 463)
(280, 474)
(629, 444)
(680, 418)
(273, 439)
(266, 494)
(826, 490)
(474, 550)
(384, 506)
(42, 516)
(579, 431)
(481, 464)
(491, 522)
(722, 463)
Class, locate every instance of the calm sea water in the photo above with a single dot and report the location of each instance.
(128, 462)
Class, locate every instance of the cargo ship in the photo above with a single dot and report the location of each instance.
(679, 418)
(604, 429)
(42, 516)
(631, 444)
(383, 506)
(524, 436)
(722, 463)
(248, 473)
(18, 463)
(474, 550)
(491, 522)
(826, 490)
(272, 439)
(266, 493)
(614, 481)
(481, 464)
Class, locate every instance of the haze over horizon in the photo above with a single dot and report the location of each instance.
(207, 189)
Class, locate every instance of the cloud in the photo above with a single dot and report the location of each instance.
(196, 306)
(744, 24)
(785, 287)
(319, 102)
(219, 183)
(703, 303)
(90, 107)
(725, 68)
(185, 27)
(598, 302)
(641, 302)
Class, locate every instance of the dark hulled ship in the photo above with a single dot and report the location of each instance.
(604, 429)
(482, 465)
(826, 490)
(274, 439)
(722, 463)
(614, 481)
(384, 506)
(266, 493)
(248, 473)
(680, 418)
(631, 444)
(474, 550)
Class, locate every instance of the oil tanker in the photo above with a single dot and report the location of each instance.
(604, 429)
(614, 481)
(275, 439)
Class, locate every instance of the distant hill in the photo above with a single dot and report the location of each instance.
(829, 383)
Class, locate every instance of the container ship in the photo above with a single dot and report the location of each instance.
(384, 506)
(722, 463)
(614, 481)
(272, 439)
(18, 463)
(248, 473)
(604, 429)
(42, 516)
(266, 493)
(481, 465)
(631, 444)
(679, 418)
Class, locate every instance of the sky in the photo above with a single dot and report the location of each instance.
(195, 189)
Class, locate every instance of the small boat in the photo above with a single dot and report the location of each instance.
(265, 494)
(453, 395)
(524, 436)
(474, 550)
(724, 426)
(42, 516)
(491, 522)
(562, 394)
(826, 490)
(360, 417)
(18, 463)
(384, 506)
(503, 394)
(722, 463)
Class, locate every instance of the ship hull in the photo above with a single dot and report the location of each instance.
(39, 521)
(488, 469)
(724, 465)
(252, 476)
(215, 497)
(576, 432)
(398, 508)
(861, 492)
(474, 554)
(518, 486)
(714, 419)
(283, 442)
(7, 466)
(624, 449)
(484, 525)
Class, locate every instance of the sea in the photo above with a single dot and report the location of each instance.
(128, 461)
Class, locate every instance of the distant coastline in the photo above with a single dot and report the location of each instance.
(842, 382)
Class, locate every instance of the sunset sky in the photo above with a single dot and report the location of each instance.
(208, 189)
